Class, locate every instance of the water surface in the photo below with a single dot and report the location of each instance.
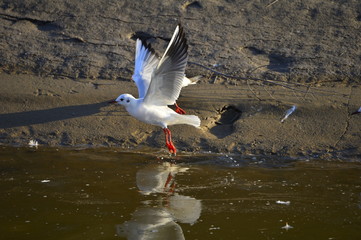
(105, 194)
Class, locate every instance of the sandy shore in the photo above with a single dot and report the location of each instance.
(61, 62)
(237, 119)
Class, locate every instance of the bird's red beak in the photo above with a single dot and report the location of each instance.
(112, 102)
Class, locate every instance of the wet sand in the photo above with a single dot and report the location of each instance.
(243, 119)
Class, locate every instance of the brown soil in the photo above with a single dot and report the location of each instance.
(62, 61)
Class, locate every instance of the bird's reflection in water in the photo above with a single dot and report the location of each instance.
(160, 221)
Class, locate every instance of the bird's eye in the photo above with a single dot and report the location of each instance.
(121, 99)
(128, 100)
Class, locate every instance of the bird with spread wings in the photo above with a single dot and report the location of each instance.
(159, 82)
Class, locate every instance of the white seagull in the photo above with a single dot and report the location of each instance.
(159, 82)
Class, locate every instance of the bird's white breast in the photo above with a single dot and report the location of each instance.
(151, 114)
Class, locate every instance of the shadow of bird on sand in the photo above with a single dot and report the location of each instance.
(18, 119)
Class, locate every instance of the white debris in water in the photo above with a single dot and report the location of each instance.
(45, 181)
(287, 226)
(288, 113)
(283, 202)
(33, 143)
(214, 228)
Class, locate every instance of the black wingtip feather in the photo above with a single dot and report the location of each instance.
(179, 49)
(168, 76)
(148, 46)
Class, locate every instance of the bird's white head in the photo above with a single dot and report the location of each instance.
(125, 100)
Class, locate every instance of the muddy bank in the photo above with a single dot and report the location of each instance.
(309, 41)
(61, 61)
(243, 119)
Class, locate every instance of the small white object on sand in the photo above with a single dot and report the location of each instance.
(288, 113)
(33, 143)
(357, 112)
(283, 202)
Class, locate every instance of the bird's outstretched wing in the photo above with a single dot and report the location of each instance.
(145, 62)
(167, 77)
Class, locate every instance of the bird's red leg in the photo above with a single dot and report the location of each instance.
(168, 141)
(171, 145)
(179, 110)
(172, 188)
(166, 136)
(169, 178)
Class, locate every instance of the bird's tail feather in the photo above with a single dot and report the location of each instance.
(190, 81)
(188, 119)
(195, 79)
